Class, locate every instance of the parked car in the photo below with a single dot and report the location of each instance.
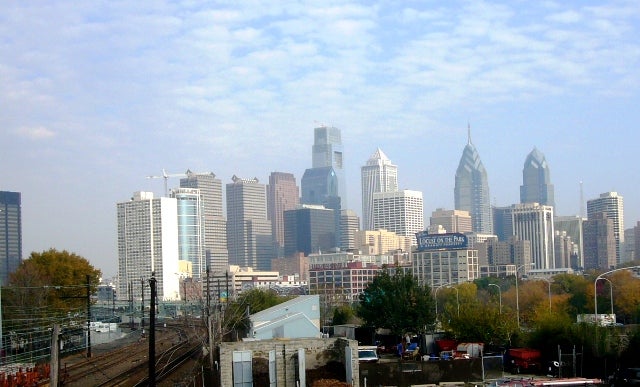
(367, 355)
(625, 377)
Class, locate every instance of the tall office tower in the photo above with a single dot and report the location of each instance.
(349, 225)
(378, 175)
(534, 222)
(215, 225)
(611, 204)
(282, 194)
(248, 230)
(327, 152)
(451, 220)
(471, 190)
(400, 212)
(309, 229)
(148, 243)
(636, 239)
(629, 247)
(191, 229)
(502, 223)
(536, 181)
(10, 234)
(599, 242)
(320, 186)
(563, 249)
(573, 226)
(511, 252)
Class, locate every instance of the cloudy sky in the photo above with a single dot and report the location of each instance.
(97, 95)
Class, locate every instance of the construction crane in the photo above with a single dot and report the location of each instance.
(166, 177)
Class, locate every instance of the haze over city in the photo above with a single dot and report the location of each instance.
(95, 97)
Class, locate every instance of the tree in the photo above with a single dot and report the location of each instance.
(50, 283)
(398, 303)
(343, 314)
(249, 302)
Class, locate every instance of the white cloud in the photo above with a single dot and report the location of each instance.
(36, 133)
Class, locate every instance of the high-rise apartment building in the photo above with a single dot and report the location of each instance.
(10, 234)
(611, 204)
(451, 220)
(282, 194)
(191, 229)
(536, 180)
(215, 225)
(327, 152)
(148, 243)
(471, 189)
(534, 222)
(401, 212)
(249, 237)
(599, 242)
(309, 229)
(349, 225)
(378, 175)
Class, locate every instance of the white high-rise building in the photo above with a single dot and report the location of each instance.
(148, 243)
(611, 204)
(191, 229)
(378, 175)
(534, 222)
(401, 212)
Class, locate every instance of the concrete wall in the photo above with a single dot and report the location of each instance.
(324, 358)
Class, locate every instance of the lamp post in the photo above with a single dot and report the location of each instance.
(499, 295)
(457, 297)
(548, 282)
(610, 292)
(517, 292)
(436, 297)
(595, 289)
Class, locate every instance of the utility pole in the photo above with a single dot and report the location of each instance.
(142, 303)
(88, 316)
(152, 332)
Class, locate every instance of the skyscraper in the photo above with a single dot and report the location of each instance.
(191, 229)
(472, 189)
(573, 226)
(320, 186)
(282, 194)
(451, 220)
(309, 229)
(378, 175)
(400, 212)
(10, 234)
(599, 242)
(148, 243)
(248, 230)
(215, 225)
(349, 225)
(534, 222)
(536, 181)
(327, 152)
(611, 204)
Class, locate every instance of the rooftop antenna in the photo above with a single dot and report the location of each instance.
(468, 133)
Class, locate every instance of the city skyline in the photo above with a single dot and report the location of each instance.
(99, 96)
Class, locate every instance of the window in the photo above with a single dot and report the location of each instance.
(242, 372)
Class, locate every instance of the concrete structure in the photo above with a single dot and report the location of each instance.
(629, 247)
(248, 231)
(611, 204)
(502, 222)
(445, 266)
(148, 243)
(599, 242)
(534, 222)
(294, 319)
(297, 264)
(282, 194)
(563, 250)
(10, 234)
(349, 225)
(309, 229)
(512, 252)
(536, 180)
(327, 152)
(471, 191)
(573, 226)
(215, 225)
(191, 230)
(451, 221)
(381, 242)
(400, 212)
(378, 175)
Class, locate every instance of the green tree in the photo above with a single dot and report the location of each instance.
(397, 302)
(50, 283)
(343, 314)
(236, 318)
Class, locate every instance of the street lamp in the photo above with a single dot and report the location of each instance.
(499, 294)
(595, 289)
(548, 282)
(610, 292)
(457, 297)
(517, 292)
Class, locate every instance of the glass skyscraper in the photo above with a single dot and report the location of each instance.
(472, 190)
(378, 175)
(10, 234)
(536, 181)
(191, 229)
(327, 152)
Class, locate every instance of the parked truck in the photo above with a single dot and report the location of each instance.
(523, 360)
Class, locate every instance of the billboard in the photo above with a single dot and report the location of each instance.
(428, 241)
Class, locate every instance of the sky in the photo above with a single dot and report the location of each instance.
(95, 96)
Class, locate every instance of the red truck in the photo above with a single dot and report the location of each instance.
(523, 359)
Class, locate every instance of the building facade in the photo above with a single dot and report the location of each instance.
(215, 225)
(451, 220)
(327, 152)
(445, 266)
(249, 237)
(309, 229)
(349, 225)
(148, 243)
(599, 242)
(611, 204)
(282, 194)
(401, 212)
(381, 242)
(471, 191)
(378, 175)
(10, 234)
(573, 226)
(536, 180)
(191, 229)
(534, 222)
